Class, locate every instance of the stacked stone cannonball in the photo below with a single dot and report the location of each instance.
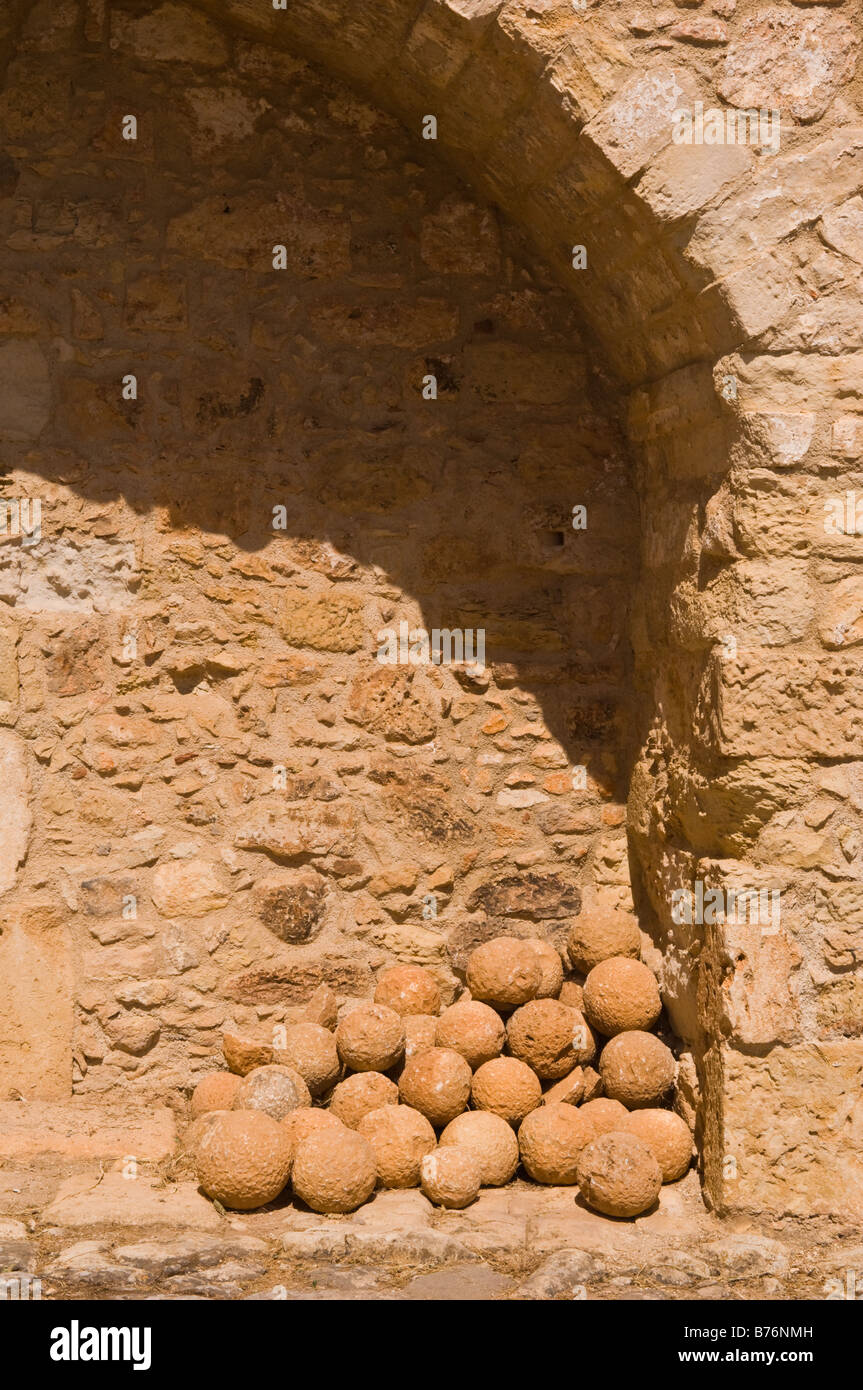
(560, 1073)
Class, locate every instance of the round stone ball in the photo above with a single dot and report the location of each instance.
(311, 1050)
(550, 1140)
(618, 1175)
(637, 1069)
(621, 994)
(601, 1115)
(437, 1084)
(572, 994)
(420, 1033)
(243, 1159)
(400, 1138)
(334, 1170)
(306, 1121)
(550, 967)
(451, 1177)
(473, 1029)
(371, 1038)
(667, 1136)
(357, 1095)
(274, 1090)
(491, 1139)
(218, 1091)
(598, 935)
(550, 1037)
(506, 1087)
(504, 972)
(408, 989)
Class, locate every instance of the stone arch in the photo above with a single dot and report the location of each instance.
(709, 293)
(725, 300)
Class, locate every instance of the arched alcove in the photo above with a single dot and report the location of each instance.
(676, 358)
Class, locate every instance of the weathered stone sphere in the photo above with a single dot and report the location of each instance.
(473, 1029)
(550, 967)
(550, 1140)
(601, 1115)
(550, 1037)
(311, 1050)
(334, 1170)
(508, 1088)
(451, 1177)
(667, 1136)
(243, 1159)
(301, 1123)
(408, 989)
(600, 934)
(504, 972)
(218, 1091)
(357, 1095)
(371, 1038)
(400, 1137)
(275, 1090)
(637, 1069)
(490, 1138)
(618, 1175)
(620, 995)
(437, 1084)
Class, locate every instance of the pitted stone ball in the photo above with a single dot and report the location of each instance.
(218, 1091)
(334, 1170)
(400, 1137)
(311, 1051)
(275, 1090)
(621, 995)
(490, 1138)
(408, 989)
(600, 934)
(451, 1177)
(550, 1037)
(504, 972)
(358, 1094)
(549, 1141)
(508, 1088)
(668, 1137)
(550, 967)
(371, 1038)
(243, 1159)
(437, 1083)
(473, 1029)
(618, 1175)
(637, 1069)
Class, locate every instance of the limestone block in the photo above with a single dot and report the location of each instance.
(25, 392)
(36, 1003)
(15, 815)
(329, 622)
(796, 62)
(801, 704)
(794, 1128)
(638, 121)
(188, 888)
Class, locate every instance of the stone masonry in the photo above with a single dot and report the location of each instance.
(214, 339)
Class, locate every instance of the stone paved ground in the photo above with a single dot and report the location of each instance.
(88, 1231)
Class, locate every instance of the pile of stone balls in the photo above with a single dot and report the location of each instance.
(527, 1067)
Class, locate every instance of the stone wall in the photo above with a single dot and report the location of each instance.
(723, 292)
(232, 799)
